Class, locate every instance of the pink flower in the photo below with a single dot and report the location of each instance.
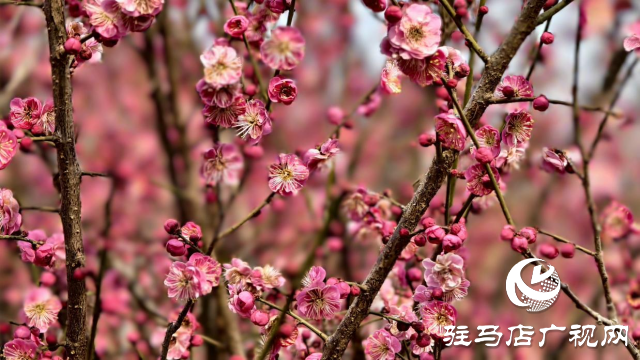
(209, 267)
(236, 26)
(447, 270)
(631, 42)
(417, 34)
(436, 315)
(455, 61)
(319, 302)
(518, 127)
(254, 122)
(451, 131)
(266, 277)
(237, 273)
(617, 221)
(425, 71)
(10, 218)
(554, 160)
(24, 113)
(478, 181)
(451, 292)
(489, 137)
(222, 164)
(288, 175)
(76, 28)
(390, 78)
(371, 105)
(222, 65)
(185, 281)
(315, 277)
(284, 50)
(316, 158)
(520, 85)
(19, 349)
(42, 308)
(179, 344)
(282, 90)
(224, 116)
(382, 346)
(45, 123)
(137, 8)
(241, 302)
(106, 18)
(8, 146)
(510, 157)
(192, 231)
(219, 96)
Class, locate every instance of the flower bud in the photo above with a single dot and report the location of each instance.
(79, 274)
(344, 289)
(451, 243)
(483, 10)
(404, 232)
(72, 46)
(519, 244)
(508, 91)
(428, 222)
(403, 326)
(335, 115)
(452, 83)
(171, 226)
(355, 290)
(507, 233)
(549, 251)
(133, 337)
(254, 152)
(568, 251)
(462, 11)
(529, 233)
(376, 5)
(547, 38)
(22, 332)
(236, 26)
(549, 4)
(423, 340)
(51, 339)
(260, 318)
(197, 340)
(426, 140)
(26, 144)
(176, 248)
(85, 54)
(418, 326)
(47, 279)
(286, 330)
(435, 234)
(541, 103)
(244, 301)
(484, 155)
(463, 71)
(414, 274)
(393, 14)
(420, 240)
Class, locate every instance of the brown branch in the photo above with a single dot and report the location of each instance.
(552, 101)
(173, 327)
(551, 12)
(473, 44)
(50, 209)
(337, 343)
(69, 180)
(17, 238)
(302, 321)
(22, 3)
(536, 54)
(563, 240)
(95, 174)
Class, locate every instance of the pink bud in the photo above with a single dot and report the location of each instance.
(567, 251)
(426, 140)
(549, 4)
(423, 340)
(51, 339)
(335, 244)
(176, 248)
(462, 11)
(463, 71)
(254, 152)
(420, 240)
(79, 274)
(355, 291)
(428, 222)
(393, 14)
(47, 279)
(376, 5)
(335, 115)
(344, 289)
(418, 326)
(452, 83)
(236, 26)
(72, 46)
(260, 318)
(507, 233)
(519, 244)
(22, 332)
(508, 91)
(451, 243)
(133, 337)
(404, 232)
(171, 226)
(250, 89)
(483, 10)
(549, 251)
(197, 340)
(547, 38)
(435, 234)
(286, 330)
(414, 274)
(541, 103)
(5, 328)
(484, 155)
(26, 144)
(529, 233)
(245, 301)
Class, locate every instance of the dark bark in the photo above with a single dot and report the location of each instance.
(499, 61)
(69, 179)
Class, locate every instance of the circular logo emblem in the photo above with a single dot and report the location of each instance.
(542, 291)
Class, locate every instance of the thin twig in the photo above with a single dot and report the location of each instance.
(211, 341)
(537, 52)
(473, 44)
(173, 327)
(254, 63)
(94, 174)
(18, 238)
(302, 321)
(50, 209)
(551, 12)
(563, 240)
(22, 3)
(387, 317)
(552, 101)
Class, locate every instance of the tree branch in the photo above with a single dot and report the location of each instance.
(173, 327)
(302, 321)
(473, 44)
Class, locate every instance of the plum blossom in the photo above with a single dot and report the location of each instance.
(282, 90)
(319, 301)
(241, 302)
(179, 345)
(106, 18)
(520, 85)
(52, 253)
(317, 158)
(8, 146)
(489, 137)
(222, 65)
(210, 268)
(184, 282)
(267, 277)
(390, 78)
(224, 116)
(632, 42)
(222, 96)
(41, 308)
(137, 8)
(45, 123)
(254, 122)
(287, 176)
(451, 131)
(478, 181)
(10, 217)
(425, 71)
(436, 315)
(284, 50)
(518, 127)
(315, 276)
(222, 164)
(617, 221)
(510, 157)
(20, 349)
(382, 346)
(236, 26)
(24, 113)
(191, 231)
(554, 160)
(237, 273)
(447, 270)
(417, 34)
